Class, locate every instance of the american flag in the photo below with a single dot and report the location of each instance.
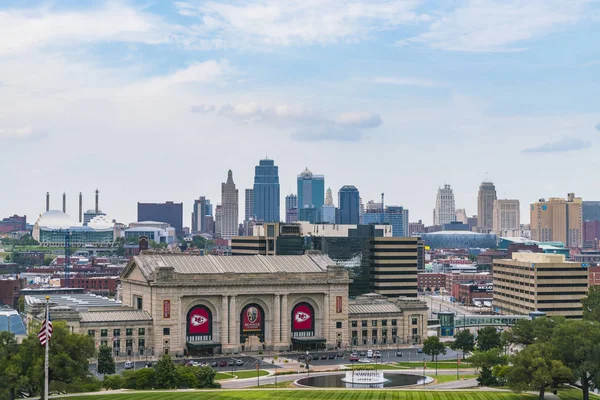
(46, 330)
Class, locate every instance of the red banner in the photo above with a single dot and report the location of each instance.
(252, 319)
(166, 308)
(338, 304)
(199, 321)
(303, 318)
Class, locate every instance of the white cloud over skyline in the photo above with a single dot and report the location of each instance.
(559, 146)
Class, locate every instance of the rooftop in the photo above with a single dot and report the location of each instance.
(10, 321)
(115, 316)
(74, 301)
(256, 264)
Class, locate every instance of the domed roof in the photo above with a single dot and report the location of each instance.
(55, 219)
(306, 173)
(101, 222)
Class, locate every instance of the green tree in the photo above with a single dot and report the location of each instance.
(488, 338)
(577, 344)
(142, 379)
(591, 304)
(106, 362)
(8, 350)
(433, 347)
(487, 360)
(68, 370)
(526, 332)
(206, 378)
(463, 340)
(535, 368)
(186, 376)
(166, 376)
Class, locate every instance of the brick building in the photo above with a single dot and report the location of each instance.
(430, 281)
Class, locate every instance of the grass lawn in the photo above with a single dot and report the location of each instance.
(451, 378)
(573, 394)
(250, 374)
(288, 384)
(223, 375)
(371, 367)
(431, 364)
(310, 394)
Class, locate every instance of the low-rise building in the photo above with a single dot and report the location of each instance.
(431, 281)
(540, 282)
(375, 320)
(471, 293)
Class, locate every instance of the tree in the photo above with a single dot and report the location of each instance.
(433, 347)
(142, 379)
(68, 370)
(106, 362)
(488, 338)
(577, 347)
(112, 382)
(8, 350)
(536, 368)
(591, 304)
(206, 378)
(463, 340)
(166, 376)
(526, 332)
(487, 360)
(186, 376)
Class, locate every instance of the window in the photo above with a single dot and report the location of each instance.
(354, 324)
(354, 334)
(415, 320)
(103, 332)
(117, 344)
(116, 332)
(166, 331)
(394, 322)
(374, 335)
(141, 344)
(374, 322)
(103, 343)
(384, 322)
(338, 325)
(141, 331)
(138, 303)
(129, 345)
(415, 331)
(129, 332)
(92, 333)
(364, 323)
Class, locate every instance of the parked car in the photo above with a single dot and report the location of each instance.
(420, 351)
(231, 363)
(362, 354)
(302, 357)
(148, 365)
(128, 364)
(323, 356)
(399, 353)
(376, 354)
(369, 353)
(331, 356)
(223, 363)
(353, 357)
(340, 354)
(239, 363)
(214, 364)
(364, 360)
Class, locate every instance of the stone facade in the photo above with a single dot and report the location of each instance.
(173, 286)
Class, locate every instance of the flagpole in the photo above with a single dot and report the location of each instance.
(47, 347)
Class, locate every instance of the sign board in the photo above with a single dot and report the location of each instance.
(303, 318)
(199, 321)
(339, 304)
(166, 308)
(252, 318)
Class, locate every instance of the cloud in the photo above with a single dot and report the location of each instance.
(598, 127)
(562, 145)
(497, 25)
(307, 124)
(426, 83)
(22, 134)
(25, 29)
(296, 22)
(210, 71)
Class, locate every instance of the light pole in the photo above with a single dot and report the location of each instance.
(307, 368)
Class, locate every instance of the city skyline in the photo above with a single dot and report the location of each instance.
(428, 85)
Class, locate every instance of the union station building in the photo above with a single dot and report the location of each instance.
(211, 304)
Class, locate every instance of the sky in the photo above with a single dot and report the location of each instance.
(152, 101)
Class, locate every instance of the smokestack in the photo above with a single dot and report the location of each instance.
(64, 202)
(80, 207)
(47, 201)
(97, 209)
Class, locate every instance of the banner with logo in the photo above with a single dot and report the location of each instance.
(252, 318)
(199, 321)
(303, 317)
(338, 304)
(166, 309)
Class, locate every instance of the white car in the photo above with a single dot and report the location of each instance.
(376, 354)
(364, 360)
(369, 353)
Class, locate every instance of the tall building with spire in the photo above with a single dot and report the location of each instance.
(229, 208)
(311, 195)
(485, 206)
(266, 191)
(328, 197)
(445, 209)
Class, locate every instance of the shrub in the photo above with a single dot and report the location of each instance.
(141, 379)
(112, 382)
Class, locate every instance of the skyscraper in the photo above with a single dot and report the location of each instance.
(169, 212)
(266, 191)
(229, 208)
(311, 190)
(507, 217)
(558, 220)
(348, 205)
(444, 211)
(202, 209)
(291, 201)
(328, 197)
(249, 205)
(485, 206)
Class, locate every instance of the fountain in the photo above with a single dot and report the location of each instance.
(366, 379)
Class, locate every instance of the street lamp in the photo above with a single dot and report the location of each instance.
(307, 368)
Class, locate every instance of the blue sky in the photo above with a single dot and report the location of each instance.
(156, 100)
